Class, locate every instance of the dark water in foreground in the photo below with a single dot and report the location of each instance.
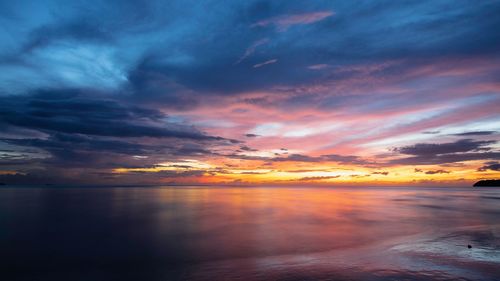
(249, 234)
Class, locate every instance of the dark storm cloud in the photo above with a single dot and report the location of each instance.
(490, 166)
(443, 153)
(73, 113)
(445, 158)
(67, 142)
(79, 130)
(429, 149)
(84, 154)
(477, 133)
(59, 177)
(75, 150)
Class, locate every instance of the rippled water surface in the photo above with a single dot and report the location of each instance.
(208, 233)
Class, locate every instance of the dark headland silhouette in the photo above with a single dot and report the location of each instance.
(488, 183)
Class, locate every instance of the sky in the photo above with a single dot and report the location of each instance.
(249, 92)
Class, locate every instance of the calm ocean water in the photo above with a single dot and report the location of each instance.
(208, 233)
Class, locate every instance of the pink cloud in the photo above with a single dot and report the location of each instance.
(312, 130)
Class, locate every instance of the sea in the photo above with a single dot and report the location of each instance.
(52, 233)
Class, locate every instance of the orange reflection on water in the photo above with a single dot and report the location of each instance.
(244, 222)
(211, 233)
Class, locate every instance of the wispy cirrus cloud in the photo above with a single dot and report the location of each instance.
(265, 63)
(251, 49)
(282, 23)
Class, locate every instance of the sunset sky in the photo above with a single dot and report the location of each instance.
(249, 92)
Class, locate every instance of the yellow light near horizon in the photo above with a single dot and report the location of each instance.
(254, 172)
(167, 166)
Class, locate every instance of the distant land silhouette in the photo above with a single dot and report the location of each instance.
(488, 183)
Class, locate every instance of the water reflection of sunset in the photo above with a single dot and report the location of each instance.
(250, 233)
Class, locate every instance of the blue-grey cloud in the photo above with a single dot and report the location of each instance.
(74, 113)
(476, 133)
(423, 149)
(490, 166)
(444, 153)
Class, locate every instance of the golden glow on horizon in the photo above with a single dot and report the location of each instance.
(253, 172)
(9, 172)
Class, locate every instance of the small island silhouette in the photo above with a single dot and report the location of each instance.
(487, 183)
